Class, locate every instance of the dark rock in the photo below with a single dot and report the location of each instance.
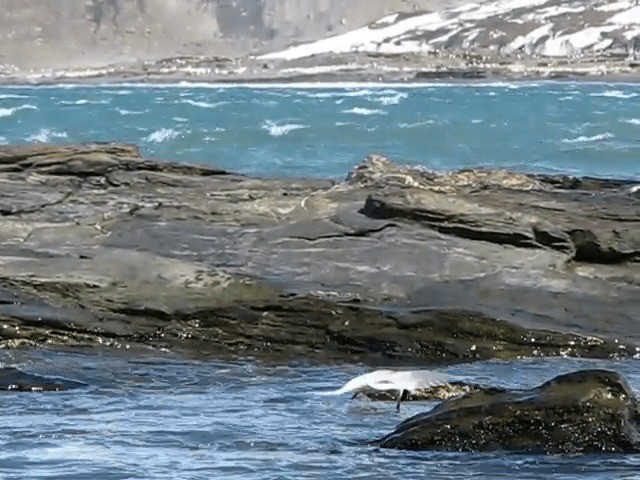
(436, 392)
(101, 247)
(580, 412)
(14, 380)
(450, 73)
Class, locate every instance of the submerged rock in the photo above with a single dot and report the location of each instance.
(580, 412)
(15, 380)
(100, 246)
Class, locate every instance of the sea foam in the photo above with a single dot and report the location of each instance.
(46, 135)
(7, 112)
(614, 94)
(276, 130)
(365, 111)
(586, 139)
(161, 135)
(201, 104)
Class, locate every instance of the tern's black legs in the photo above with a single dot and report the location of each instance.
(402, 395)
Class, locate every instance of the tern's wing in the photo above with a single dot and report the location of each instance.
(418, 379)
(358, 383)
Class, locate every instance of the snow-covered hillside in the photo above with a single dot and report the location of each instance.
(548, 28)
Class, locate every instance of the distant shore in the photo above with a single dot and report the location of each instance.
(335, 69)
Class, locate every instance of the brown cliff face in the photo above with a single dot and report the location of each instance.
(50, 34)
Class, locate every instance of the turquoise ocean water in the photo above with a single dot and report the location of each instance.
(159, 416)
(572, 128)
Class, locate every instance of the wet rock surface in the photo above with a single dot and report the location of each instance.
(581, 412)
(434, 393)
(100, 246)
(15, 380)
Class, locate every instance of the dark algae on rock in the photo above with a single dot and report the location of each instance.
(586, 411)
(15, 380)
(100, 246)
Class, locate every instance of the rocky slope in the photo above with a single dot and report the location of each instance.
(92, 33)
(99, 246)
(546, 28)
(540, 37)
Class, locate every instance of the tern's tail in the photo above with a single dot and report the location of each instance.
(340, 391)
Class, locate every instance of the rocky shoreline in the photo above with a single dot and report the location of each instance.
(352, 68)
(101, 247)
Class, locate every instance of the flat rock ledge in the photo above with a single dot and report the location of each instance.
(99, 246)
(587, 411)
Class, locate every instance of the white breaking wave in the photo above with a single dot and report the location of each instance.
(45, 135)
(84, 101)
(585, 139)
(9, 96)
(365, 111)
(200, 104)
(276, 130)
(632, 121)
(161, 135)
(360, 92)
(7, 112)
(416, 124)
(267, 103)
(391, 100)
(614, 94)
(3, 141)
(124, 111)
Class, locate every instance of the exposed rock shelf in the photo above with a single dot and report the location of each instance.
(99, 246)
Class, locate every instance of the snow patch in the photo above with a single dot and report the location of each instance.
(629, 17)
(544, 35)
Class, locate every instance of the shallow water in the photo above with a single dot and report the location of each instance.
(163, 417)
(574, 128)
